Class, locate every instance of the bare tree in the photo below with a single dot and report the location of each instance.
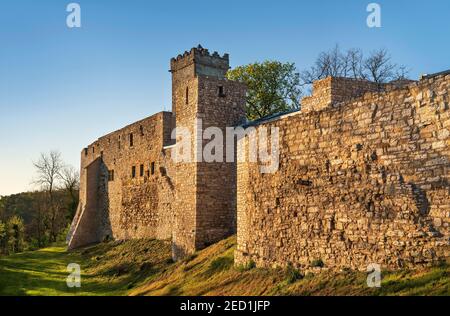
(401, 73)
(378, 67)
(38, 225)
(331, 63)
(48, 169)
(354, 58)
(71, 182)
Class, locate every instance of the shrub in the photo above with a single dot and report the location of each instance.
(292, 274)
(318, 263)
(220, 264)
(190, 258)
(248, 266)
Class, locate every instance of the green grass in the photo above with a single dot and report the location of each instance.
(144, 267)
(106, 269)
(35, 273)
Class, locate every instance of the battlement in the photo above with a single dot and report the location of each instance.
(333, 90)
(201, 62)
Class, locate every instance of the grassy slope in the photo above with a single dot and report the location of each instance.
(144, 267)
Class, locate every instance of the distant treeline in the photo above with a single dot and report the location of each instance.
(26, 222)
(36, 219)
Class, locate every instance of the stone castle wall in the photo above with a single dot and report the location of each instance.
(361, 181)
(363, 175)
(194, 202)
(130, 206)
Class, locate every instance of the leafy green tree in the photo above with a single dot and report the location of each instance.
(273, 87)
(3, 237)
(16, 234)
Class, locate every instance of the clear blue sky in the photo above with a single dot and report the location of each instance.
(61, 88)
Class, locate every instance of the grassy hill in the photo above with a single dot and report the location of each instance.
(144, 267)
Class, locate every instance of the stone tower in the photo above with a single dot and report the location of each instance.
(202, 97)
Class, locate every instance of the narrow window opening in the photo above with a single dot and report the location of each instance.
(141, 128)
(187, 95)
(152, 168)
(111, 175)
(221, 92)
(133, 172)
(131, 140)
(85, 151)
(141, 170)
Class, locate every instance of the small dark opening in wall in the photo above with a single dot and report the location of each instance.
(141, 129)
(101, 154)
(221, 92)
(111, 175)
(133, 172)
(119, 144)
(93, 150)
(141, 170)
(187, 95)
(131, 140)
(152, 168)
(85, 151)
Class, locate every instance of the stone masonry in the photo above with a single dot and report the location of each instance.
(362, 180)
(131, 188)
(363, 175)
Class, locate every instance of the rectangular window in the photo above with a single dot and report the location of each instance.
(152, 168)
(133, 172)
(141, 170)
(85, 151)
(141, 128)
(111, 175)
(131, 140)
(221, 92)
